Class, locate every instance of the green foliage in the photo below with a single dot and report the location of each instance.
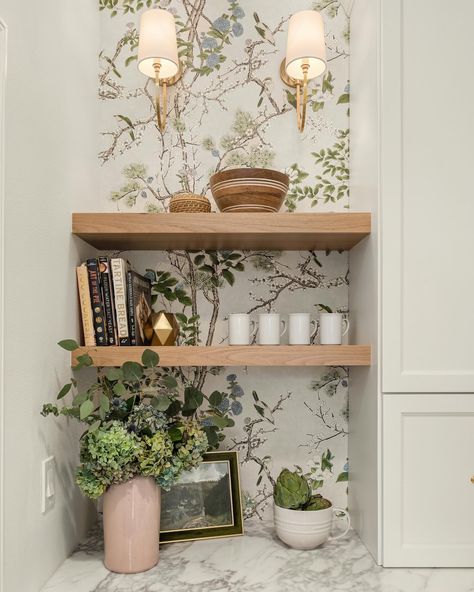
(150, 359)
(334, 181)
(107, 455)
(116, 452)
(138, 183)
(331, 185)
(294, 491)
(126, 6)
(324, 307)
(291, 490)
(219, 266)
(162, 283)
(326, 461)
(318, 93)
(188, 328)
(330, 381)
(238, 145)
(317, 502)
(138, 425)
(68, 344)
(212, 43)
(263, 30)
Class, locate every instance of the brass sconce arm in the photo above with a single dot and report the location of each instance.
(161, 94)
(301, 86)
(160, 115)
(301, 109)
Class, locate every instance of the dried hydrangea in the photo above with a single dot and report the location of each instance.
(107, 456)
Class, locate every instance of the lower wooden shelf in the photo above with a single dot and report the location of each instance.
(225, 355)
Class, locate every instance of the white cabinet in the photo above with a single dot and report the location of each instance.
(411, 437)
(428, 496)
(426, 196)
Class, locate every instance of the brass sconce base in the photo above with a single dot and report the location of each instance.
(300, 101)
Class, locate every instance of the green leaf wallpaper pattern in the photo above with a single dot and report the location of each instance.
(231, 109)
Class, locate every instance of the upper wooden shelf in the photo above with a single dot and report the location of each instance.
(242, 231)
(226, 355)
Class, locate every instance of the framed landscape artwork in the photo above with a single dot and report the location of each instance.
(205, 503)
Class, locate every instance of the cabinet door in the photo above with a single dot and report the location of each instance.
(427, 126)
(428, 496)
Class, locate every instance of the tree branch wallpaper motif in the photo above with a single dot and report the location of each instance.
(231, 109)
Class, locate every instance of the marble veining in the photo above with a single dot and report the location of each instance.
(256, 562)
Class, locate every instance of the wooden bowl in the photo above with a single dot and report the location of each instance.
(249, 190)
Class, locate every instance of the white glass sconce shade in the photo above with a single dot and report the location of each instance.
(157, 43)
(305, 45)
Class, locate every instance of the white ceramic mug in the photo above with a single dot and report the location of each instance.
(269, 331)
(307, 529)
(241, 329)
(299, 328)
(331, 329)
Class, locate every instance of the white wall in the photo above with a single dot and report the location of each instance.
(364, 406)
(50, 170)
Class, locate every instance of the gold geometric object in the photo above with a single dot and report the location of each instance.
(294, 83)
(162, 328)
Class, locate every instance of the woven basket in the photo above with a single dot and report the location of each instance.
(189, 202)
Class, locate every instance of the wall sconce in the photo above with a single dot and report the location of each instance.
(305, 57)
(158, 55)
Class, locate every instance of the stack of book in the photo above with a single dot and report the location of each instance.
(115, 302)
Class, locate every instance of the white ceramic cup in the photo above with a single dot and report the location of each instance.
(241, 329)
(269, 328)
(307, 529)
(299, 328)
(331, 329)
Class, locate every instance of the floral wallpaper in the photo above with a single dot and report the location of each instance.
(231, 109)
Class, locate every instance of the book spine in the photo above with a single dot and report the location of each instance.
(120, 296)
(131, 309)
(85, 306)
(107, 298)
(96, 301)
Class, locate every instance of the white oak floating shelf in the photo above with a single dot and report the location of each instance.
(242, 231)
(225, 355)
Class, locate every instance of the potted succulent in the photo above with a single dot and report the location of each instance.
(303, 518)
(140, 437)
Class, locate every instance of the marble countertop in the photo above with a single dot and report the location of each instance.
(256, 562)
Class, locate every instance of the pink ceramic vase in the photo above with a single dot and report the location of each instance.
(132, 525)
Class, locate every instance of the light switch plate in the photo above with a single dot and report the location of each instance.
(48, 484)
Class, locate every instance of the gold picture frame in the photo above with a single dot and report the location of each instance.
(206, 502)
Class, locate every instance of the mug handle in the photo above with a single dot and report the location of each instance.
(283, 322)
(254, 328)
(347, 517)
(346, 321)
(315, 323)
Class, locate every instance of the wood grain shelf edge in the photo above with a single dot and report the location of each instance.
(222, 355)
(285, 231)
